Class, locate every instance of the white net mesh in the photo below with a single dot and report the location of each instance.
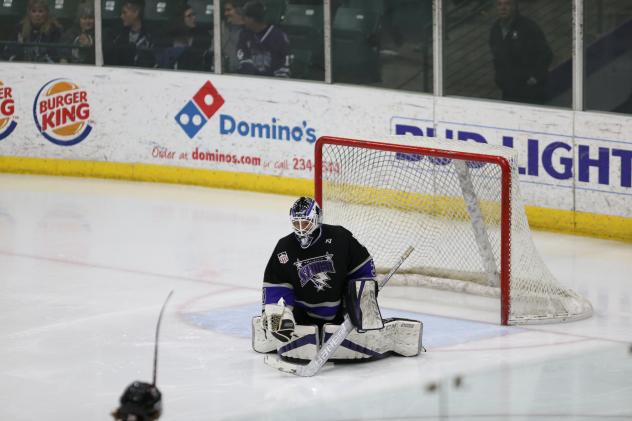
(450, 210)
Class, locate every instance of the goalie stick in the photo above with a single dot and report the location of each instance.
(334, 341)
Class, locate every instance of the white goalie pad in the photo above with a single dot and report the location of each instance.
(303, 345)
(399, 336)
(361, 302)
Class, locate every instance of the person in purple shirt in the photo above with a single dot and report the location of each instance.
(262, 49)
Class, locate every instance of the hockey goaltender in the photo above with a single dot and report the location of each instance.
(315, 275)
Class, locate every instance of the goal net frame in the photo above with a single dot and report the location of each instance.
(507, 173)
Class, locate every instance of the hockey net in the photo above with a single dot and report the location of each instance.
(459, 205)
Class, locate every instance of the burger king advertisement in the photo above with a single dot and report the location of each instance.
(7, 111)
(62, 112)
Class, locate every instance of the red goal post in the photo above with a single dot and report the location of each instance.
(459, 204)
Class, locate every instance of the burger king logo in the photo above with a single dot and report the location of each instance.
(7, 109)
(62, 112)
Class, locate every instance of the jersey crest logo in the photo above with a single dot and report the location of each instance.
(315, 270)
(283, 259)
(328, 241)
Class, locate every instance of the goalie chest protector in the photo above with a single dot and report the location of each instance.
(317, 274)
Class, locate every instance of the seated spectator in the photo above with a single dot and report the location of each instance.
(231, 29)
(263, 49)
(80, 34)
(190, 48)
(133, 45)
(37, 27)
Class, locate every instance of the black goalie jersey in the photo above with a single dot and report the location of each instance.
(313, 280)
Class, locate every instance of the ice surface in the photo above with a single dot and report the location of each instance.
(86, 264)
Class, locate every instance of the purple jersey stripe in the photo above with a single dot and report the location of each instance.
(271, 295)
(365, 271)
(321, 311)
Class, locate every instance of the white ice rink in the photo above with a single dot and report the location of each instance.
(85, 266)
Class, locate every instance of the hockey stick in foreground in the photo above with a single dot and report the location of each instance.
(334, 341)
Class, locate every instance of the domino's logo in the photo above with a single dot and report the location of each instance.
(199, 110)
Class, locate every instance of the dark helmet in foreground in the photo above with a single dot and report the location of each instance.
(140, 402)
(306, 216)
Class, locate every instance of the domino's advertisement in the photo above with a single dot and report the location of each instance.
(569, 161)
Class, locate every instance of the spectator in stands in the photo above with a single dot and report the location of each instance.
(231, 29)
(263, 49)
(190, 47)
(389, 23)
(521, 55)
(81, 34)
(133, 45)
(37, 27)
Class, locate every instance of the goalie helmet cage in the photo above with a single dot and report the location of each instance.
(458, 203)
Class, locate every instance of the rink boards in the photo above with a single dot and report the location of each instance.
(259, 134)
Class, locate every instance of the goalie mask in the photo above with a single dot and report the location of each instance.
(305, 216)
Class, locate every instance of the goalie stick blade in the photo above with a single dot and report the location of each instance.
(283, 366)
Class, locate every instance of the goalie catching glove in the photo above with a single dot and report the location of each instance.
(278, 320)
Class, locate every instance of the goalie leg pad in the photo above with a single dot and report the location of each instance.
(399, 336)
(407, 336)
(302, 346)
